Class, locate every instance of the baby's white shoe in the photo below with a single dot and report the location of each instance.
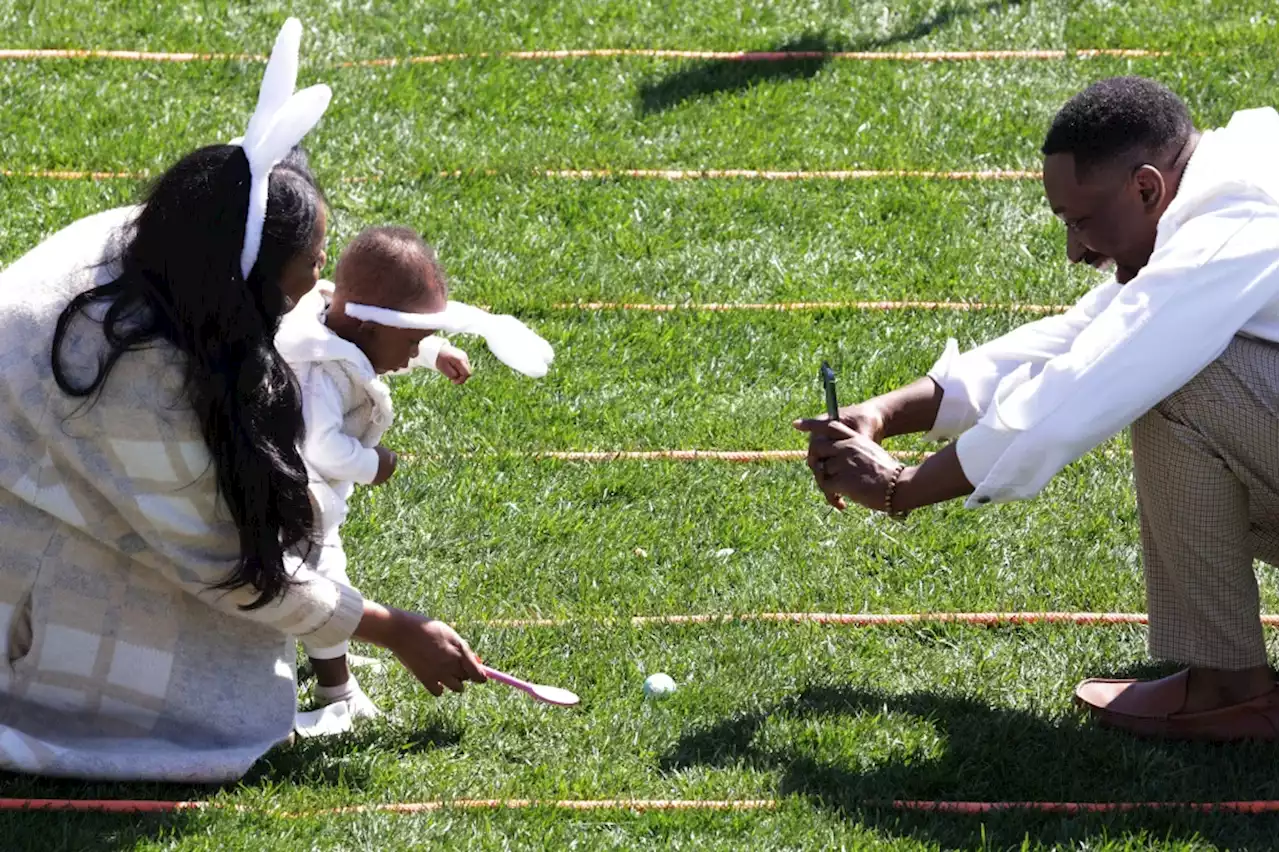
(359, 704)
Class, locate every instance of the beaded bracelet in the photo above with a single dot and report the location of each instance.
(888, 494)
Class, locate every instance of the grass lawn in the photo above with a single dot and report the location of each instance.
(823, 722)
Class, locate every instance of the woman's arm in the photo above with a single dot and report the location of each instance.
(432, 650)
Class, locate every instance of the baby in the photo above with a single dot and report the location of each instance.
(346, 407)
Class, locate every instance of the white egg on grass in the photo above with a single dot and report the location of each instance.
(659, 685)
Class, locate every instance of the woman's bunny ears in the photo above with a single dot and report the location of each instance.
(282, 118)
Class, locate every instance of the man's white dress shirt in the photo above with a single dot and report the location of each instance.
(1031, 402)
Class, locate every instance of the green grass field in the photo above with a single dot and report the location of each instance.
(823, 719)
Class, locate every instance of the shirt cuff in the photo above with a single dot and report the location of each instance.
(999, 471)
(429, 351)
(342, 622)
(366, 465)
(954, 412)
(978, 450)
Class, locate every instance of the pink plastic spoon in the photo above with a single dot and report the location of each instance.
(549, 694)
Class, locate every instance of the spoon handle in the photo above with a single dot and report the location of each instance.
(503, 677)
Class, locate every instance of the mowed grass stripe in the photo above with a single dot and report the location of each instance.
(403, 27)
(825, 717)
(640, 381)
(605, 174)
(1214, 25)
(817, 717)
(521, 246)
(792, 825)
(745, 56)
(478, 541)
(489, 114)
(126, 806)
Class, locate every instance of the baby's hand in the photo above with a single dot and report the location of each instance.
(453, 364)
(386, 464)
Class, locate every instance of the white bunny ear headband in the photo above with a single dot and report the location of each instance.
(511, 341)
(281, 119)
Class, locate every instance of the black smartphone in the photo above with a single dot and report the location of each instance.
(829, 390)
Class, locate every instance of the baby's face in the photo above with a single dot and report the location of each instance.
(390, 349)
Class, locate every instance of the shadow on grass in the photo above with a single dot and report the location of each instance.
(724, 75)
(343, 762)
(346, 761)
(997, 754)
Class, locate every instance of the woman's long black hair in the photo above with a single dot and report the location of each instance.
(180, 283)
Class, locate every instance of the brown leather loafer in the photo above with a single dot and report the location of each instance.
(1152, 708)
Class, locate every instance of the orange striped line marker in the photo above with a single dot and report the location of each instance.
(813, 306)
(25, 54)
(841, 55)
(63, 174)
(19, 54)
(864, 619)
(637, 805)
(142, 806)
(673, 455)
(740, 456)
(606, 174)
(740, 174)
(853, 619)
(758, 174)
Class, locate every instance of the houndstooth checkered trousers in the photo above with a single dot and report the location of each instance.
(1205, 462)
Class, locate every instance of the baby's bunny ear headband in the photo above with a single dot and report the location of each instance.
(511, 341)
(281, 119)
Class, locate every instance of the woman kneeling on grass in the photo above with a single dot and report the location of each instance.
(150, 483)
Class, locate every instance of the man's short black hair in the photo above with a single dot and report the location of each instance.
(1116, 116)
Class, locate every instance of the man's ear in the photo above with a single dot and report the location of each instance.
(1151, 186)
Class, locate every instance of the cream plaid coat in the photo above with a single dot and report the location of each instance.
(117, 659)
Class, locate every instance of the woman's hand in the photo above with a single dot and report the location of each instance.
(436, 654)
(847, 462)
(431, 649)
